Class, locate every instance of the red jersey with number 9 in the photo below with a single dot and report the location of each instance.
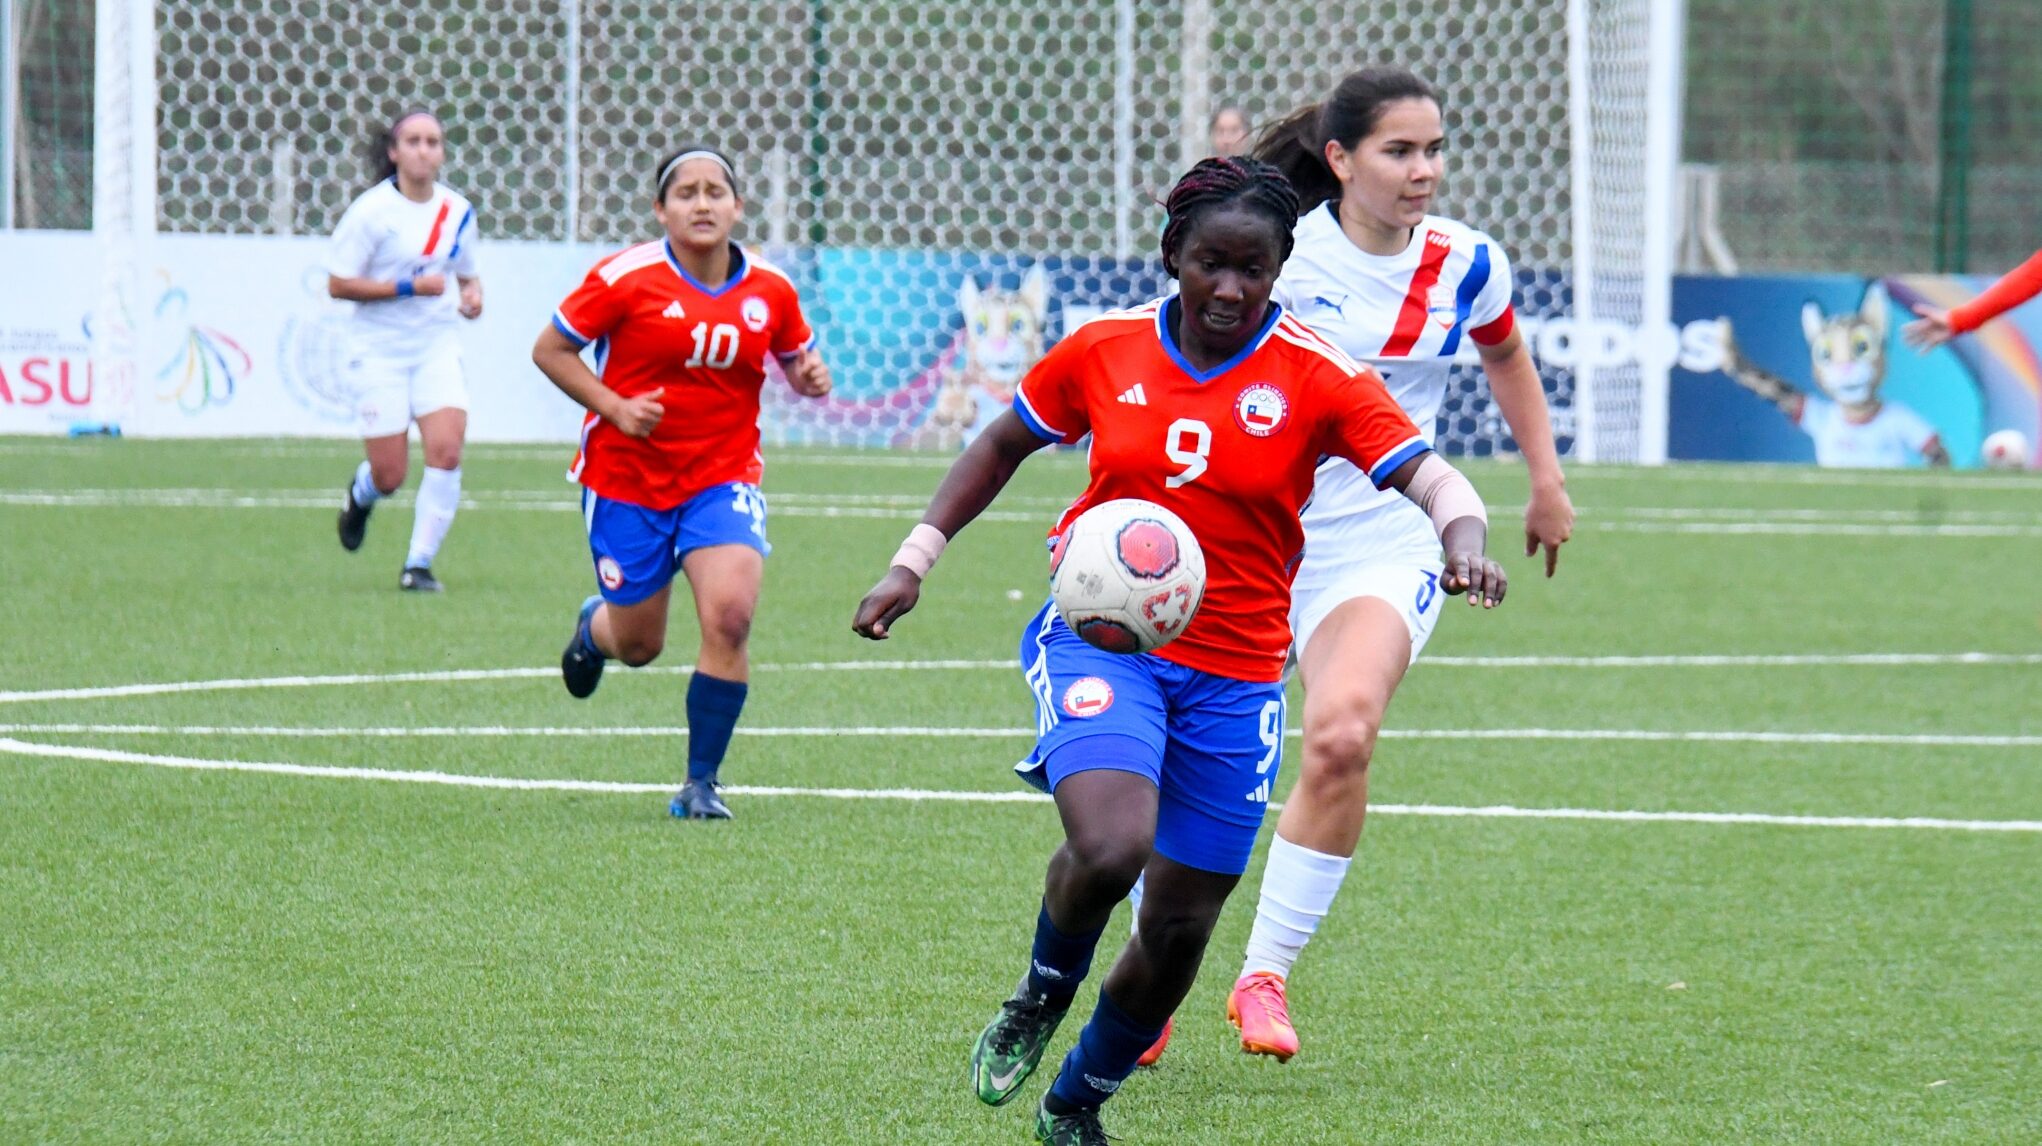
(1230, 450)
(655, 328)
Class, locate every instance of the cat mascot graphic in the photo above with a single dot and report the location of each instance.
(1848, 421)
(1002, 339)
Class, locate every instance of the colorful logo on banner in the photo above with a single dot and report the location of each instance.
(207, 364)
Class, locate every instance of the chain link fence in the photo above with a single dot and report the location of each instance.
(883, 146)
(1869, 136)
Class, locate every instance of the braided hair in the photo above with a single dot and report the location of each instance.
(1221, 182)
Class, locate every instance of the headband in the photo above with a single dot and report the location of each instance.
(684, 156)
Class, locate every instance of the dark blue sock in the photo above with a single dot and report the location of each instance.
(713, 705)
(1059, 962)
(1107, 1050)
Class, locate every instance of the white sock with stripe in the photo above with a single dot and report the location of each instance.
(439, 496)
(1298, 887)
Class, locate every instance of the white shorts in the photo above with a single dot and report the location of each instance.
(393, 392)
(1410, 587)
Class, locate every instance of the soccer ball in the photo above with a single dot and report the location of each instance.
(1127, 576)
(2005, 450)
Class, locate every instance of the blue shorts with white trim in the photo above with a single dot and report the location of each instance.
(1212, 745)
(637, 550)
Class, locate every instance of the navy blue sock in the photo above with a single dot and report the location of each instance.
(1059, 962)
(713, 705)
(1107, 1050)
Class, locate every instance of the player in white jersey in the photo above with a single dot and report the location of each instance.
(1404, 291)
(392, 255)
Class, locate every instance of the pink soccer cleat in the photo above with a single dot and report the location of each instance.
(1155, 1052)
(1258, 1008)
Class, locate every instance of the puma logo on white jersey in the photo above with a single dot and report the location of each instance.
(1133, 396)
(673, 310)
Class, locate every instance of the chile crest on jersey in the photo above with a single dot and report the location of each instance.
(1261, 409)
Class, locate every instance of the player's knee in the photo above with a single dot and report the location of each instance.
(387, 478)
(1176, 935)
(1341, 745)
(1110, 863)
(637, 649)
(443, 455)
(728, 623)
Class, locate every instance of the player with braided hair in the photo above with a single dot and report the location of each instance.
(1216, 404)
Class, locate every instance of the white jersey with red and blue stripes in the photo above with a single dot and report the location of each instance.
(389, 238)
(1410, 315)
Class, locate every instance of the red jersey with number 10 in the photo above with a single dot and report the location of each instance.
(656, 328)
(1230, 450)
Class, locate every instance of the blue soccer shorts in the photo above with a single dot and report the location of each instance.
(637, 550)
(1211, 744)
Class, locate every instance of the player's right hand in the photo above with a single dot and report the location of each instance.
(1929, 331)
(888, 602)
(429, 286)
(637, 416)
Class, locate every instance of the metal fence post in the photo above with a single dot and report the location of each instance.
(1953, 167)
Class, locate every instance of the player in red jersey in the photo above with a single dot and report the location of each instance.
(1217, 405)
(669, 459)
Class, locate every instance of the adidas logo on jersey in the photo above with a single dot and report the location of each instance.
(1133, 396)
(673, 310)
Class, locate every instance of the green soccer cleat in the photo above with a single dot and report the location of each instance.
(1012, 1044)
(1078, 1128)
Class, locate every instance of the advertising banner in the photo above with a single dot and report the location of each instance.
(1812, 368)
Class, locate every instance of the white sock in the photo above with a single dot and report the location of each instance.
(1134, 900)
(366, 492)
(439, 495)
(1298, 888)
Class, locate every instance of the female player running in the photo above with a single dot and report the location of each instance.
(683, 324)
(1400, 289)
(391, 255)
(1168, 777)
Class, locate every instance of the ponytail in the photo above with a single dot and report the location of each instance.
(1296, 144)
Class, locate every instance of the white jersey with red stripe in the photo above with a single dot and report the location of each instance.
(389, 238)
(1408, 315)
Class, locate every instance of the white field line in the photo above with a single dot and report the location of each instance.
(1740, 660)
(1038, 509)
(14, 747)
(945, 732)
(1788, 475)
(237, 684)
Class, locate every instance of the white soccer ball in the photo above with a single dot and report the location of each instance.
(1127, 576)
(2005, 450)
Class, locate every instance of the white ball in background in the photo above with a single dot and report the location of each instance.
(2005, 450)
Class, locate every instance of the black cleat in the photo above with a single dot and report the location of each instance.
(697, 800)
(418, 579)
(581, 666)
(1078, 1128)
(354, 520)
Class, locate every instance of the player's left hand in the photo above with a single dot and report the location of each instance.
(809, 375)
(888, 602)
(1477, 576)
(471, 299)
(1548, 522)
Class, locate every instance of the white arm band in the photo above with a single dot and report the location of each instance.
(924, 545)
(1441, 491)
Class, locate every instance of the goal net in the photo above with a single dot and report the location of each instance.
(951, 185)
